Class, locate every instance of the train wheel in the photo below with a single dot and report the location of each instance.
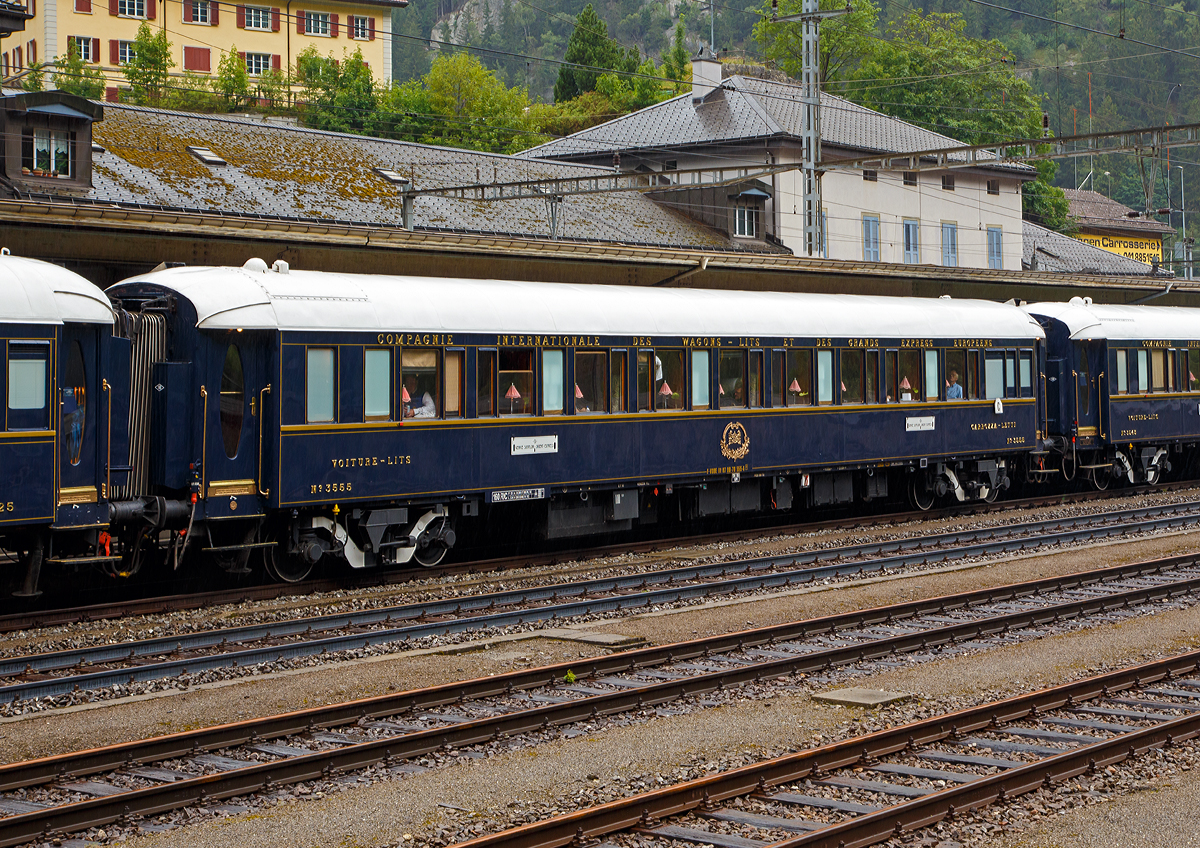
(430, 549)
(285, 568)
(919, 496)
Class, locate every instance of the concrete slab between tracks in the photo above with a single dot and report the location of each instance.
(861, 697)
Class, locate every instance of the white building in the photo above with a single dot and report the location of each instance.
(962, 217)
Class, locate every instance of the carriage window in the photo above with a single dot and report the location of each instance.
(871, 377)
(1143, 372)
(974, 382)
(909, 372)
(732, 392)
(591, 372)
(377, 384)
(993, 376)
(956, 371)
(852, 376)
(755, 375)
(74, 404)
(931, 375)
(799, 378)
(554, 381)
(1085, 384)
(1193, 366)
(233, 401)
(1026, 373)
(824, 376)
(1010, 373)
(1122, 372)
(1171, 370)
(700, 379)
(485, 384)
(644, 379)
(516, 382)
(320, 385)
(1158, 370)
(454, 383)
(778, 383)
(668, 379)
(419, 383)
(616, 381)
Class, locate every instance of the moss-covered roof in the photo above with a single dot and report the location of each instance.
(287, 172)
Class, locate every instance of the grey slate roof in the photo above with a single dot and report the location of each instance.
(1062, 254)
(292, 173)
(745, 109)
(1097, 212)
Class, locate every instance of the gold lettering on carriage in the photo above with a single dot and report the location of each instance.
(916, 343)
(1146, 416)
(7, 506)
(405, 339)
(1156, 343)
(547, 341)
(370, 461)
(973, 343)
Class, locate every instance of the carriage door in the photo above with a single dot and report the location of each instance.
(81, 403)
(1087, 401)
(237, 391)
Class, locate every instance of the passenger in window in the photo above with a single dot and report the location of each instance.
(417, 405)
(739, 394)
(953, 389)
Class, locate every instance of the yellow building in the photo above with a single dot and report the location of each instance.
(200, 31)
(1108, 225)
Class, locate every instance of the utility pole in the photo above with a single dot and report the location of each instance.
(810, 96)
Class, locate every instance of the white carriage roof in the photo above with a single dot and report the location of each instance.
(36, 292)
(246, 298)
(1085, 320)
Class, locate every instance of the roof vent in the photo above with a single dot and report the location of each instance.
(392, 176)
(280, 267)
(255, 264)
(96, 148)
(206, 156)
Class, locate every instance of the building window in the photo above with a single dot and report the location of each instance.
(912, 241)
(910, 178)
(950, 245)
(360, 30)
(870, 224)
(131, 8)
(258, 64)
(199, 11)
(48, 152)
(947, 182)
(82, 45)
(316, 23)
(258, 17)
(125, 52)
(746, 221)
(871, 176)
(993, 186)
(995, 251)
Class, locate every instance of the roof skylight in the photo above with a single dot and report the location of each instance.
(206, 156)
(392, 176)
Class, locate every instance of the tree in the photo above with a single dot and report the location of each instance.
(589, 47)
(74, 76)
(233, 80)
(338, 96)
(35, 78)
(845, 40)
(476, 109)
(147, 70)
(677, 64)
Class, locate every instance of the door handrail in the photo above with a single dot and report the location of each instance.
(204, 442)
(262, 413)
(107, 389)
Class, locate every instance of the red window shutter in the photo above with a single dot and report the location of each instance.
(276, 62)
(242, 56)
(206, 60)
(300, 23)
(84, 6)
(151, 10)
(214, 13)
(275, 20)
(110, 94)
(95, 51)
(114, 52)
(333, 26)
(112, 7)
(370, 29)
(241, 16)
(187, 14)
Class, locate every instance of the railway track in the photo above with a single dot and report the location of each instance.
(871, 789)
(72, 792)
(32, 619)
(58, 673)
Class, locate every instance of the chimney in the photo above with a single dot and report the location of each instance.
(706, 73)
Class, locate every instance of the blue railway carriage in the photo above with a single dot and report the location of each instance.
(1121, 386)
(372, 420)
(55, 329)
